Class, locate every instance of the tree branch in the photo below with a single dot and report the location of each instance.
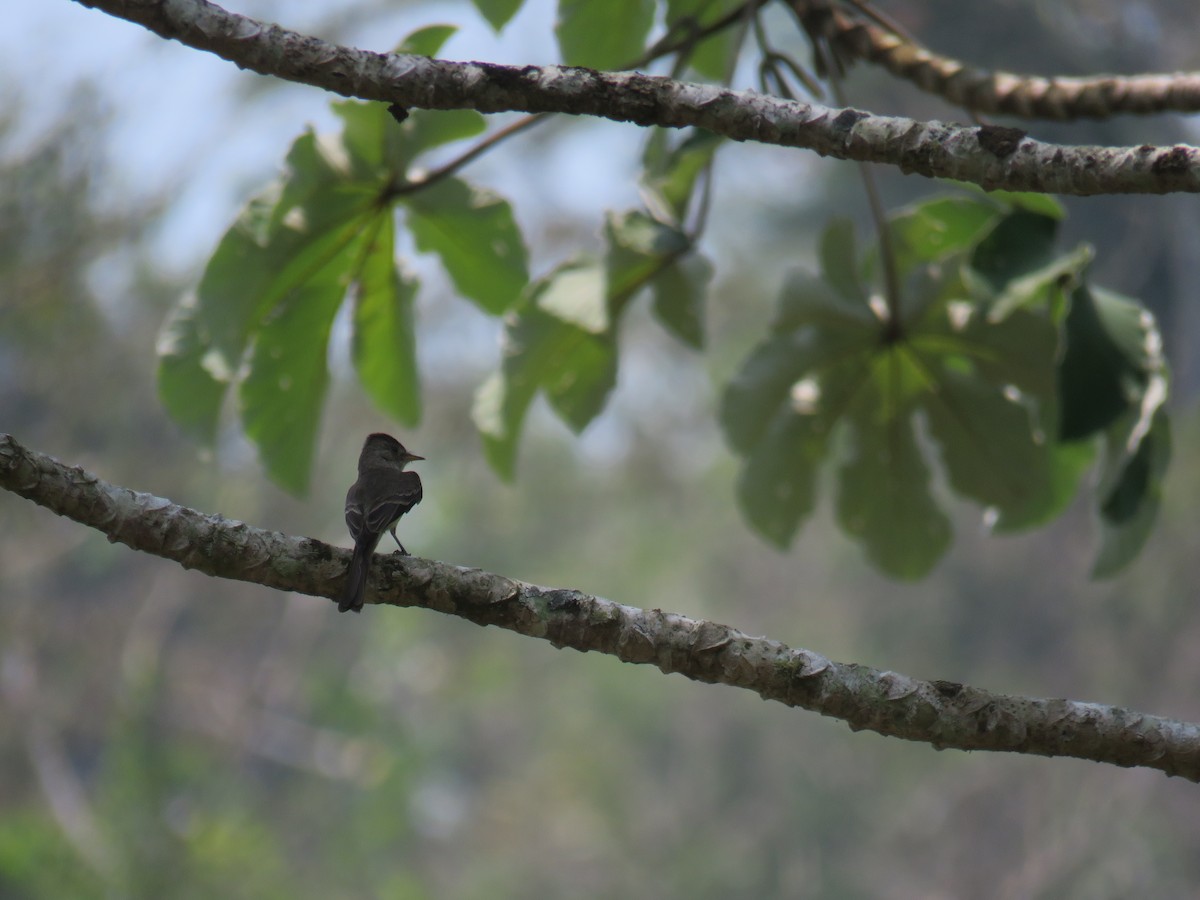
(1060, 98)
(939, 713)
(990, 157)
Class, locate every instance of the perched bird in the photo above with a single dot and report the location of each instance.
(374, 504)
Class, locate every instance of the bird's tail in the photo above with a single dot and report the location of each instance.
(356, 577)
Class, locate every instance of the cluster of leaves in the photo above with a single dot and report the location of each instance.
(1004, 365)
(996, 358)
(262, 314)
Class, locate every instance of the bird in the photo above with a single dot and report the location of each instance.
(374, 504)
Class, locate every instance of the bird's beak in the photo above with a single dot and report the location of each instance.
(410, 457)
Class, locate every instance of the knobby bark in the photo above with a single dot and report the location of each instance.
(852, 35)
(940, 713)
(933, 149)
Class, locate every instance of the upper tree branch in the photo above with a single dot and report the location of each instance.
(933, 149)
(1060, 98)
(940, 713)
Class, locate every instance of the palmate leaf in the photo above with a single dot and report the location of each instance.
(475, 236)
(977, 367)
(560, 340)
(557, 342)
(602, 34)
(671, 170)
(498, 12)
(714, 56)
(383, 346)
(284, 389)
(295, 233)
(261, 315)
(884, 498)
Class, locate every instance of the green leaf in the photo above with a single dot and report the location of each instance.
(987, 387)
(383, 345)
(808, 300)
(639, 249)
(781, 375)
(1041, 204)
(1019, 350)
(284, 389)
(498, 12)
(679, 292)
(552, 344)
(428, 41)
(990, 449)
(1130, 507)
(603, 34)
(576, 293)
(228, 301)
(670, 173)
(365, 127)
(474, 234)
(1046, 285)
(780, 409)
(1112, 350)
(777, 486)
(498, 413)
(268, 253)
(884, 497)
(1019, 244)
(839, 262)
(582, 378)
(712, 57)
(566, 330)
(936, 229)
(189, 391)
(428, 129)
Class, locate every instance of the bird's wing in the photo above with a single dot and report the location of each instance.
(404, 492)
(354, 514)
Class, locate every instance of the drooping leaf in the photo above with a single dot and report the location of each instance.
(777, 487)
(428, 41)
(365, 128)
(644, 252)
(499, 412)
(1041, 204)
(936, 229)
(713, 56)
(782, 406)
(602, 34)
(670, 171)
(497, 12)
(427, 129)
(679, 292)
(639, 248)
(990, 449)
(383, 345)
(552, 343)
(1110, 355)
(1130, 505)
(783, 373)
(976, 365)
(281, 237)
(474, 234)
(884, 497)
(839, 262)
(189, 391)
(576, 293)
(284, 389)
(1020, 243)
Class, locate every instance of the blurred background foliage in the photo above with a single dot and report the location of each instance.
(167, 734)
